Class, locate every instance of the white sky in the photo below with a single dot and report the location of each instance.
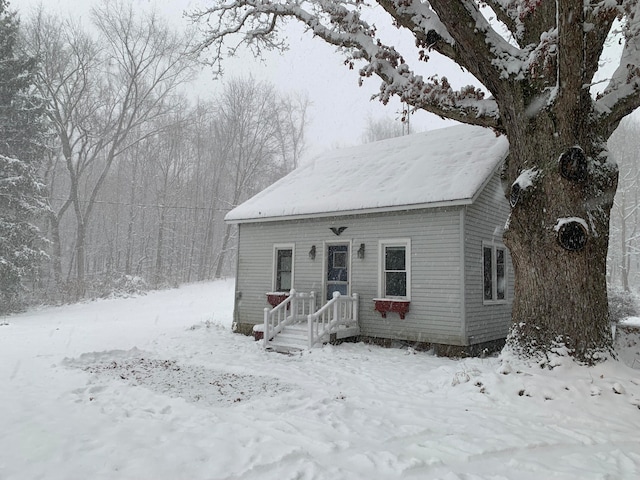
(339, 109)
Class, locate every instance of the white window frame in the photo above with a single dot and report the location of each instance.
(393, 242)
(495, 246)
(276, 248)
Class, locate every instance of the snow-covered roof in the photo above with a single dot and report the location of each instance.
(434, 168)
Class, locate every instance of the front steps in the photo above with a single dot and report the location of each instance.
(295, 338)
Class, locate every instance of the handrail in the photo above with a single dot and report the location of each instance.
(340, 310)
(295, 308)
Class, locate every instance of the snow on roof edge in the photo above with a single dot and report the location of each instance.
(347, 213)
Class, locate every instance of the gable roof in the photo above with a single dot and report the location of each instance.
(435, 168)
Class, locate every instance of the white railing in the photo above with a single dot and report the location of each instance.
(295, 308)
(339, 311)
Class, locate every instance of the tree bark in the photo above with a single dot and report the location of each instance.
(560, 294)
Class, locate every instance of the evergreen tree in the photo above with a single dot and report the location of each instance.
(21, 147)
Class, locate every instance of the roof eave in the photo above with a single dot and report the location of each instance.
(362, 211)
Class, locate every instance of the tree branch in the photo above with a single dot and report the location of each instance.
(339, 23)
(622, 94)
(480, 49)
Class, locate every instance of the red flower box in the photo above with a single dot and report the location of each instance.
(384, 305)
(276, 298)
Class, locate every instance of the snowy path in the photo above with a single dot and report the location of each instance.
(125, 389)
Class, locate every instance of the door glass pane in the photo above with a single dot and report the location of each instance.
(336, 287)
(337, 263)
(339, 259)
(284, 260)
(486, 264)
(284, 282)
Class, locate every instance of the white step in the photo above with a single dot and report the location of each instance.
(292, 338)
(295, 337)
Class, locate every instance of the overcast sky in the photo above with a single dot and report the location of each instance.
(340, 107)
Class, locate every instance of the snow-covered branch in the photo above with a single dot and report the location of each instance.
(622, 94)
(340, 23)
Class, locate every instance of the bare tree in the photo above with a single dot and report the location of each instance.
(625, 145)
(103, 99)
(290, 129)
(537, 60)
(70, 61)
(381, 129)
(171, 164)
(255, 150)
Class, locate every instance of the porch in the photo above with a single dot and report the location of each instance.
(297, 324)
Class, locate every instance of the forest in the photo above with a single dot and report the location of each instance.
(135, 176)
(126, 177)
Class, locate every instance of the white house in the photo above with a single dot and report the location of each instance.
(408, 229)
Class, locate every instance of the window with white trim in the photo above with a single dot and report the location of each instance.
(494, 273)
(283, 268)
(395, 269)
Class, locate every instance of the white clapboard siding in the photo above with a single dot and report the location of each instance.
(436, 302)
(485, 221)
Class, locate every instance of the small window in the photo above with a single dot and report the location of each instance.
(395, 274)
(339, 259)
(283, 269)
(494, 273)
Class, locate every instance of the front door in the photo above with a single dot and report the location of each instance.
(337, 269)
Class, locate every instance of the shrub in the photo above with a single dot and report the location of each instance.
(622, 304)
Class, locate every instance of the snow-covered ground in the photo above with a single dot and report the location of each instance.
(157, 387)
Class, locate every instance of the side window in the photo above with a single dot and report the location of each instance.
(487, 272)
(500, 274)
(494, 273)
(283, 268)
(395, 269)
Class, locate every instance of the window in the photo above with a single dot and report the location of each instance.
(283, 268)
(494, 273)
(395, 269)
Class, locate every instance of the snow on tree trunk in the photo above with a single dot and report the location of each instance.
(558, 236)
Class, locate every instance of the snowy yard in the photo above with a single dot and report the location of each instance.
(157, 387)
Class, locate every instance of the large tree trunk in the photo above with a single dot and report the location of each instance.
(560, 289)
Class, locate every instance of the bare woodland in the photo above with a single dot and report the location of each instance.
(139, 175)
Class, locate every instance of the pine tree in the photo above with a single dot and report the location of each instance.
(21, 147)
